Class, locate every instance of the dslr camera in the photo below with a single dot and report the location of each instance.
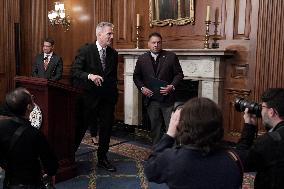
(253, 108)
(177, 105)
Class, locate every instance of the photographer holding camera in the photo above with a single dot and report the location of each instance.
(265, 156)
(200, 160)
(24, 151)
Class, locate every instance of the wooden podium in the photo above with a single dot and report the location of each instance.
(57, 104)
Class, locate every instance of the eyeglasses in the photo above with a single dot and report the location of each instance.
(47, 46)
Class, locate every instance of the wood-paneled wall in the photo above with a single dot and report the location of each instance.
(33, 26)
(269, 67)
(9, 16)
(253, 28)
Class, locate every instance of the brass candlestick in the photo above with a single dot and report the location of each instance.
(138, 37)
(206, 43)
(215, 45)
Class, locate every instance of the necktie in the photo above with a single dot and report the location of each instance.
(103, 58)
(45, 63)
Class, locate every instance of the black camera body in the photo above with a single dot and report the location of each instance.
(178, 105)
(253, 108)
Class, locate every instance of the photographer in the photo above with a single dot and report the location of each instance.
(24, 151)
(199, 161)
(266, 155)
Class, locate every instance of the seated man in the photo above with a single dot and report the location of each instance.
(24, 151)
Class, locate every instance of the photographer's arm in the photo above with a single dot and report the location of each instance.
(245, 143)
(248, 132)
(157, 164)
(172, 130)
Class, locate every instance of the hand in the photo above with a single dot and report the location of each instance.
(147, 92)
(174, 122)
(249, 118)
(48, 181)
(96, 79)
(166, 90)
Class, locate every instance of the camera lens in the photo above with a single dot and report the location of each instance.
(253, 108)
(177, 105)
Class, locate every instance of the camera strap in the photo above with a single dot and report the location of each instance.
(19, 131)
(235, 157)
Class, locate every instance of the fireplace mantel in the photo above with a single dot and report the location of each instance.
(204, 65)
(181, 52)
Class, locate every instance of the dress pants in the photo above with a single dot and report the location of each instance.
(159, 114)
(89, 111)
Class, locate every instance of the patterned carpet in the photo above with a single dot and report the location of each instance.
(128, 156)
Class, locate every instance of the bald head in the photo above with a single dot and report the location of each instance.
(18, 100)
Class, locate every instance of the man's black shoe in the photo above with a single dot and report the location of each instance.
(106, 165)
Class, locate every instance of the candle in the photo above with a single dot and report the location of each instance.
(216, 15)
(208, 13)
(137, 19)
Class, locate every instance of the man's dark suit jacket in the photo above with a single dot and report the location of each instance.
(54, 68)
(265, 156)
(168, 70)
(87, 61)
(30, 153)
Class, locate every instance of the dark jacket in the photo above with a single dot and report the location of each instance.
(168, 70)
(54, 68)
(87, 61)
(23, 166)
(265, 156)
(187, 168)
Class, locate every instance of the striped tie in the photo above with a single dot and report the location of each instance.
(103, 58)
(46, 62)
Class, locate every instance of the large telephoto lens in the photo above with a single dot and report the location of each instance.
(253, 108)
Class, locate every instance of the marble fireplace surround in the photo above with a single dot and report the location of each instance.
(204, 65)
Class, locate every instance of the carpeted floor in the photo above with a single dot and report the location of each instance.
(128, 156)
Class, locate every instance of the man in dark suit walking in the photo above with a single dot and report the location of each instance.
(156, 75)
(95, 68)
(48, 64)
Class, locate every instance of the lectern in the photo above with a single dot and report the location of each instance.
(57, 104)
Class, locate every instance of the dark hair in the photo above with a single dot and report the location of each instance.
(156, 34)
(49, 40)
(274, 98)
(201, 124)
(18, 100)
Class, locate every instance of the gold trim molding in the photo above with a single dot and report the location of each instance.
(154, 10)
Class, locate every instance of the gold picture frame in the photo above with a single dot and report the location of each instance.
(171, 12)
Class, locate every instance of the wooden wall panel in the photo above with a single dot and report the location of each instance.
(2, 38)
(33, 31)
(269, 55)
(9, 12)
(242, 19)
(124, 19)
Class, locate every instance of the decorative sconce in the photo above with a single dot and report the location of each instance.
(57, 16)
